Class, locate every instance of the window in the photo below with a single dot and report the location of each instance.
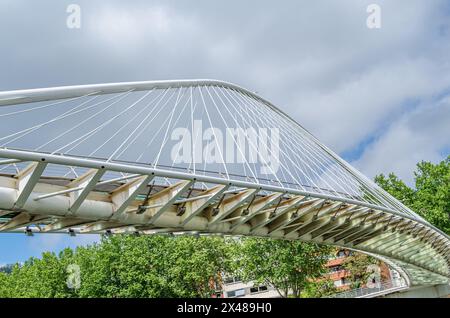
(258, 289)
(336, 268)
(236, 293)
(231, 280)
(344, 281)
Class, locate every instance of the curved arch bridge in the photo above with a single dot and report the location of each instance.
(111, 158)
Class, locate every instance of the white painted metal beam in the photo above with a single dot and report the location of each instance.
(229, 205)
(27, 180)
(126, 194)
(87, 182)
(255, 208)
(166, 198)
(198, 205)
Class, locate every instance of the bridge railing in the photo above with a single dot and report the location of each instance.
(388, 286)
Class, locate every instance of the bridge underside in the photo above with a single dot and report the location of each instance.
(433, 291)
(111, 198)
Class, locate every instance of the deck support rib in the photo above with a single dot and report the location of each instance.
(195, 207)
(123, 196)
(229, 205)
(88, 181)
(165, 199)
(27, 180)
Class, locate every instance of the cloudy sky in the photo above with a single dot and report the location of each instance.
(378, 97)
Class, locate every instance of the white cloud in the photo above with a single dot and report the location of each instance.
(40, 243)
(135, 29)
(419, 135)
(318, 61)
(345, 116)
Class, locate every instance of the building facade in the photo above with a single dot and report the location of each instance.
(234, 287)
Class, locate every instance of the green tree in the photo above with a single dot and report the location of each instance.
(6, 268)
(396, 188)
(38, 278)
(431, 196)
(124, 266)
(357, 265)
(5, 285)
(151, 266)
(286, 265)
(319, 288)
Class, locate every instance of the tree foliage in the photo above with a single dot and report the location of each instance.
(319, 288)
(287, 265)
(162, 266)
(42, 277)
(124, 266)
(431, 196)
(357, 266)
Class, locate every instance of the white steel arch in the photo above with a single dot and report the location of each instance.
(101, 159)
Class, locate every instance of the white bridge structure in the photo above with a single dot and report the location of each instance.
(110, 159)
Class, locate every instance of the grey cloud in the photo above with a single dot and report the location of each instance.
(316, 60)
(419, 135)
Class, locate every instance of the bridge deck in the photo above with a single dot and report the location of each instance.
(97, 159)
(159, 201)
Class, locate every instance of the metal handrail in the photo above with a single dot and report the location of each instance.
(365, 291)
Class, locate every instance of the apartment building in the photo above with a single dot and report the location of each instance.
(234, 287)
(340, 276)
(336, 271)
